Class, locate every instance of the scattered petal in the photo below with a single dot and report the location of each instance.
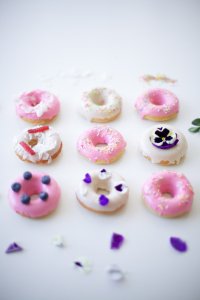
(58, 241)
(14, 247)
(78, 264)
(83, 264)
(87, 178)
(115, 273)
(116, 241)
(178, 244)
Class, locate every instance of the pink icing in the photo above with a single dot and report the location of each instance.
(36, 208)
(37, 105)
(113, 144)
(174, 184)
(157, 103)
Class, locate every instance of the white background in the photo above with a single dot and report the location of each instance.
(51, 45)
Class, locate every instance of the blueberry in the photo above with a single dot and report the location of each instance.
(44, 196)
(25, 199)
(27, 175)
(16, 187)
(46, 179)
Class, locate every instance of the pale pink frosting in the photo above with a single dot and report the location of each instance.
(88, 144)
(37, 105)
(36, 208)
(168, 182)
(157, 103)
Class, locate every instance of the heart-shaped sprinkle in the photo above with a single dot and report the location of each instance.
(103, 200)
(87, 178)
(119, 187)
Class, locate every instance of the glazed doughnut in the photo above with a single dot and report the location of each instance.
(37, 106)
(163, 144)
(102, 191)
(34, 195)
(157, 105)
(100, 105)
(40, 144)
(101, 144)
(168, 194)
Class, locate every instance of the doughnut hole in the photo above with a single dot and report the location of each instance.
(101, 187)
(157, 98)
(100, 141)
(33, 188)
(97, 98)
(32, 142)
(34, 100)
(102, 191)
(168, 188)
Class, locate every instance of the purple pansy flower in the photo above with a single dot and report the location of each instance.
(163, 138)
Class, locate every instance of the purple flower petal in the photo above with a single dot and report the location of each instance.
(14, 247)
(178, 244)
(116, 241)
(119, 187)
(87, 178)
(103, 200)
(78, 264)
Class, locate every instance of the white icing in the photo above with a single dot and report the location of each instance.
(172, 155)
(90, 198)
(108, 110)
(48, 144)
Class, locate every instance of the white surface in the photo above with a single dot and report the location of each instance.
(100, 43)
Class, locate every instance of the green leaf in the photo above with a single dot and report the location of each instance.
(194, 129)
(196, 122)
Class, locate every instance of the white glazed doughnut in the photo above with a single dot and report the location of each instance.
(100, 105)
(163, 144)
(39, 144)
(102, 191)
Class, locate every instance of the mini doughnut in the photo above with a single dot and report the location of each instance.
(168, 194)
(34, 195)
(157, 105)
(102, 191)
(163, 144)
(100, 105)
(101, 144)
(40, 144)
(37, 106)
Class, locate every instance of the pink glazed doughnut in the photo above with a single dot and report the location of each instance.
(168, 194)
(101, 144)
(34, 195)
(157, 105)
(37, 107)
